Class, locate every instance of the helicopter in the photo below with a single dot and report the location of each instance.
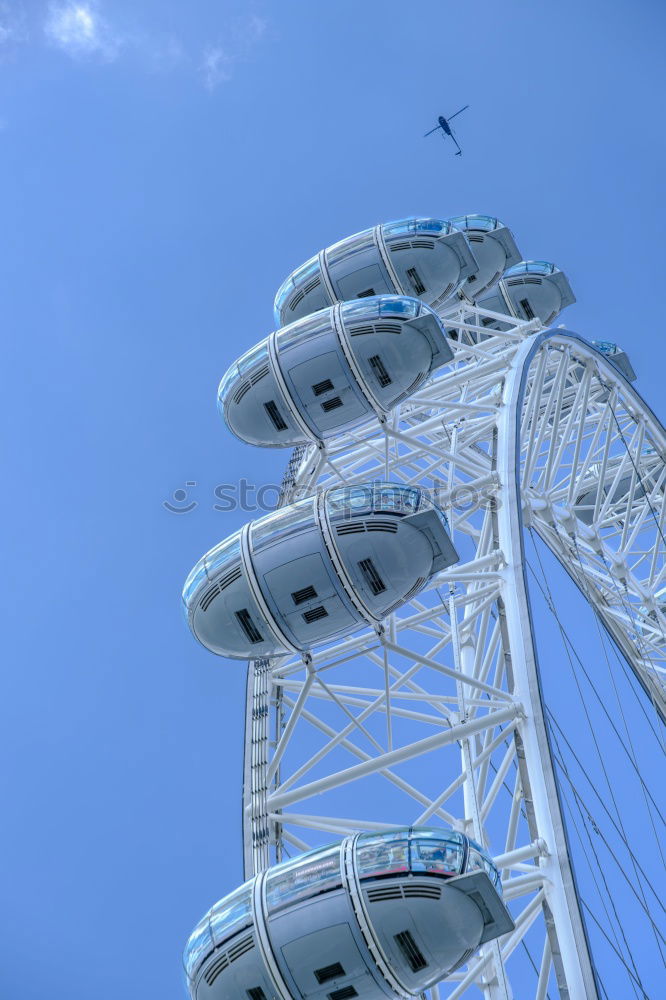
(443, 123)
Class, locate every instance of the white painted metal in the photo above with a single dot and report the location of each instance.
(436, 714)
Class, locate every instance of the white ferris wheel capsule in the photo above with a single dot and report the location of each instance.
(323, 933)
(332, 370)
(316, 570)
(428, 258)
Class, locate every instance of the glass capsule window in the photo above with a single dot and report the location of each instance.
(304, 329)
(284, 292)
(365, 309)
(352, 500)
(224, 553)
(432, 852)
(303, 877)
(302, 275)
(253, 357)
(200, 944)
(306, 271)
(404, 307)
(231, 914)
(282, 524)
(402, 227)
(442, 852)
(375, 306)
(382, 854)
(478, 859)
(475, 861)
(349, 500)
(482, 223)
(420, 851)
(531, 267)
(348, 248)
(194, 580)
(605, 346)
(229, 379)
(401, 499)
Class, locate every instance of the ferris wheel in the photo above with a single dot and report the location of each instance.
(403, 824)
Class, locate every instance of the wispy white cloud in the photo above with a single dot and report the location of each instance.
(80, 30)
(253, 28)
(220, 60)
(217, 66)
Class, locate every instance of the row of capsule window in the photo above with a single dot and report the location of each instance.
(342, 503)
(395, 853)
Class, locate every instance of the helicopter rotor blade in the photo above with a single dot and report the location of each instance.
(432, 130)
(458, 113)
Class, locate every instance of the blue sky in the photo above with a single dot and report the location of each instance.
(164, 166)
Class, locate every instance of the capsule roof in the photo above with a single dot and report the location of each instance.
(308, 897)
(331, 370)
(315, 570)
(425, 257)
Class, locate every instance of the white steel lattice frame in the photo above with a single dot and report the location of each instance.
(437, 716)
